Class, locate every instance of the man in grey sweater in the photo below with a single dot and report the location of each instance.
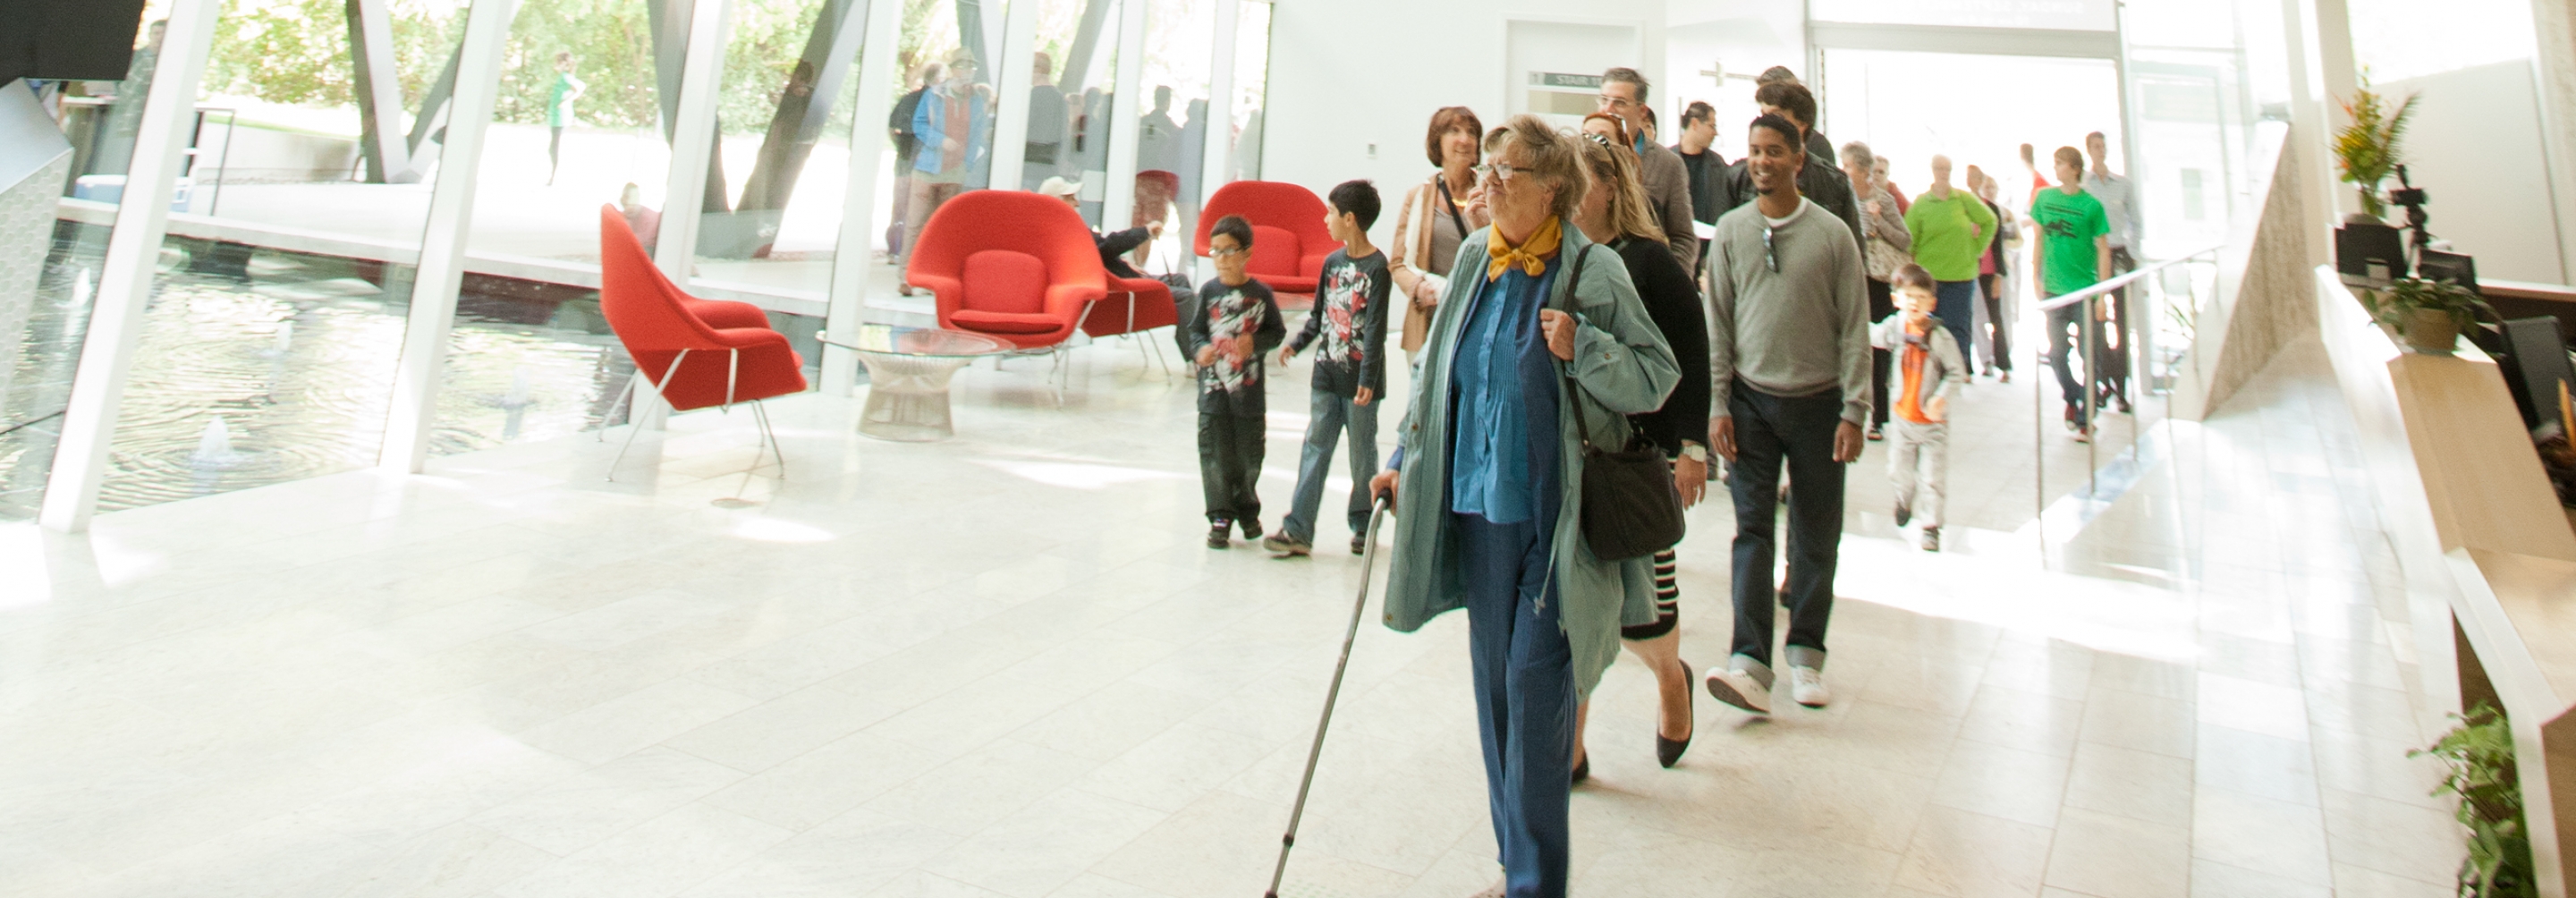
(1789, 369)
(1667, 181)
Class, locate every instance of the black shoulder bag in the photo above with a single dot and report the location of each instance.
(1631, 509)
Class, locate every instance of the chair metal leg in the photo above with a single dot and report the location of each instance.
(673, 371)
(769, 434)
(622, 393)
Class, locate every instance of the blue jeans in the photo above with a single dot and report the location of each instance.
(1524, 698)
(1957, 309)
(1331, 416)
(1770, 431)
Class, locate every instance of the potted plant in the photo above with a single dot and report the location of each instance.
(2479, 753)
(2428, 315)
(2366, 151)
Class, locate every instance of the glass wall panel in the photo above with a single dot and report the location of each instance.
(43, 329)
(773, 204)
(1075, 68)
(943, 121)
(1251, 88)
(269, 344)
(1171, 139)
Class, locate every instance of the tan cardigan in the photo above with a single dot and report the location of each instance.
(1413, 229)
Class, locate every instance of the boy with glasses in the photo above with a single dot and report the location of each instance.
(1236, 324)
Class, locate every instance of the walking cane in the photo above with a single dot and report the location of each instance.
(1368, 564)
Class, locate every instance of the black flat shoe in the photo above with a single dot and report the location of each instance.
(1582, 771)
(1217, 535)
(1668, 752)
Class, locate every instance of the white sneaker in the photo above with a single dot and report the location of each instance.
(1740, 689)
(1807, 686)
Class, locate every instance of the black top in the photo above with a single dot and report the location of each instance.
(1672, 299)
(1229, 387)
(1707, 183)
(899, 121)
(1819, 147)
(1114, 247)
(1350, 317)
(1820, 181)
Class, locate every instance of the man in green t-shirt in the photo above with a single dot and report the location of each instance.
(559, 110)
(2074, 253)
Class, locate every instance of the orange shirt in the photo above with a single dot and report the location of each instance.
(1909, 404)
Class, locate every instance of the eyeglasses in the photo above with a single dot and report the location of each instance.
(1502, 171)
(1770, 254)
(1227, 252)
(1596, 138)
(1611, 102)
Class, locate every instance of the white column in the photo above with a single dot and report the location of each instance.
(878, 82)
(2321, 74)
(1011, 89)
(414, 414)
(693, 140)
(1118, 196)
(1220, 127)
(125, 275)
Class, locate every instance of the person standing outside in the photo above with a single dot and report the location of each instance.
(1435, 219)
(567, 90)
(1886, 245)
(1951, 231)
(2119, 198)
(1700, 159)
(952, 123)
(1050, 121)
(2074, 252)
(1350, 370)
(1540, 338)
(1623, 94)
(907, 149)
(1789, 384)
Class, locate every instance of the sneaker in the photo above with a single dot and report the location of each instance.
(1740, 689)
(1218, 533)
(2004, 376)
(1931, 539)
(1251, 529)
(1359, 545)
(1904, 513)
(1875, 434)
(1807, 686)
(1279, 544)
(2082, 434)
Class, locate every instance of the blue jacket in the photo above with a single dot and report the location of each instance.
(930, 125)
(1622, 367)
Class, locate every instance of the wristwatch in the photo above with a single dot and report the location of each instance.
(1695, 452)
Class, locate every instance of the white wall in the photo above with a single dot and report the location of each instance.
(1347, 73)
(1743, 36)
(2475, 147)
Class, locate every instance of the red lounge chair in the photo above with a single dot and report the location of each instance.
(1019, 267)
(1289, 240)
(1134, 306)
(692, 352)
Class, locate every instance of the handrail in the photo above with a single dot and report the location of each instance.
(2059, 302)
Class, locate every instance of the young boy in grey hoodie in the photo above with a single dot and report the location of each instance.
(1924, 372)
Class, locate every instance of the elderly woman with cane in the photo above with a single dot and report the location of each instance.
(1538, 340)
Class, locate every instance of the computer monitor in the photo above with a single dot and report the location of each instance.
(2360, 248)
(2457, 268)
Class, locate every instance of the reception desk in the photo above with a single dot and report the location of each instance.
(2488, 553)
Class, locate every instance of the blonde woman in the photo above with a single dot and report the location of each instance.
(1615, 214)
(1436, 216)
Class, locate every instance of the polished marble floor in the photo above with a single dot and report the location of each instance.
(1004, 666)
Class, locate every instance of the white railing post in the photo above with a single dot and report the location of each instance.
(413, 415)
(125, 275)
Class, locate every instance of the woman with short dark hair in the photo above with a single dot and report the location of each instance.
(1523, 358)
(1436, 216)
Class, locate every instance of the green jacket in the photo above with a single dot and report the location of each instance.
(1624, 368)
(1942, 242)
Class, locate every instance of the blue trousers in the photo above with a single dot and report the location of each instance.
(1771, 431)
(1331, 416)
(1957, 309)
(1524, 698)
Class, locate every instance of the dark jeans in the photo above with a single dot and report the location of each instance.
(1882, 303)
(1998, 332)
(2065, 332)
(1331, 415)
(1524, 674)
(2111, 371)
(1770, 431)
(1185, 304)
(1230, 464)
(1957, 309)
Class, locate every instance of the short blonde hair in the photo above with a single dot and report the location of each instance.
(1553, 158)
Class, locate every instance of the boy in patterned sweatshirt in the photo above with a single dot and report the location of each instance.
(1237, 322)
(1350, 370)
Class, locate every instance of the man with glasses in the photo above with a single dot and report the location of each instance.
(1668, 190)
(1789, 384)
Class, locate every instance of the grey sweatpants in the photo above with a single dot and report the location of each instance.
(1918, 463)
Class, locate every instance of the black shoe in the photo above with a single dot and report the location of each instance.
(1251, 528)
(1931, 539)
(1904, 513)
(1359, 545)
(1582, 771)
(1668, 752)
(1217, 534)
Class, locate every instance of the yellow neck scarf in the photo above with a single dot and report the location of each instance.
(1533, 262)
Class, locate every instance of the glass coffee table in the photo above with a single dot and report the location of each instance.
(908, 373)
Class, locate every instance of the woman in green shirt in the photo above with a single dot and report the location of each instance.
(559, 111)
(1951, 229)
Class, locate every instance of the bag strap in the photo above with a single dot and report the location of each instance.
(1563, 370)
(1451, 206)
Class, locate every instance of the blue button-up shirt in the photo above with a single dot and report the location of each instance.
(1503, 462)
